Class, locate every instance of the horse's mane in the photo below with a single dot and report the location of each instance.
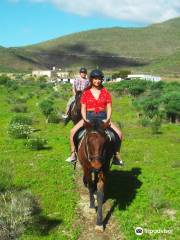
(96, 125)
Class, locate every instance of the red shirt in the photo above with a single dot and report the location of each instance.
(100, 104)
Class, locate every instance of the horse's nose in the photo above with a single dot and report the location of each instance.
(96, 165)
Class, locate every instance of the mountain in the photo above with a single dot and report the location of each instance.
(156, 46)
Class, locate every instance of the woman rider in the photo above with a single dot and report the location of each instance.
(95, 101)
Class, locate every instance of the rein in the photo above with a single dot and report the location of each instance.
(91, 157)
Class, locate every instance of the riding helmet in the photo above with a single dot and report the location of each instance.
(83, 70)
(96, 74)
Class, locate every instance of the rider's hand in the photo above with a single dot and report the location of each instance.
(86, 120)
(106, 120)
(106, 123)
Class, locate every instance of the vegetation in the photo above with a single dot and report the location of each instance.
(39, 186)
(121, 74)
(36, 143)
(21, 119)
(18, 130)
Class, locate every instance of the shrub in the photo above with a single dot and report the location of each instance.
(21, 99)
(56, 95)
(17, 130)
(157, 200)
(46, 107)
(121, 73)
(4, 79)
(155, 125)
(42, 85)
(16, 210)
(19, 108)
(30, 95)
(145, 122)
(136, 90)
(53, 117)
(36, 143)
(12, 85)
(21, 119)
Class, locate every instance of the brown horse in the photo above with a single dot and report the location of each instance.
(74, 113)
(94, 153)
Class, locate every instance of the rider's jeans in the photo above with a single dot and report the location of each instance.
(96, 115)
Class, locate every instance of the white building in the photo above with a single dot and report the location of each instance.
(62, 75)
(118, 79)
(40, 73)
(144, 77)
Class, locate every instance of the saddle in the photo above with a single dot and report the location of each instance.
(78, 136)
(111, 135)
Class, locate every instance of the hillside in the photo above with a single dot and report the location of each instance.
(109, 48)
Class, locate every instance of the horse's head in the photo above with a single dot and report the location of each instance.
(95, 143)
(75, 109)
(78, 95)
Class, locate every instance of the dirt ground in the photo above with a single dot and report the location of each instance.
(87, 217)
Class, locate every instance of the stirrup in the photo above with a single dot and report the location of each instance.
(117, 161)
(72, 159)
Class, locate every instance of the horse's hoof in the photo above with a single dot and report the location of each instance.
(99, 229)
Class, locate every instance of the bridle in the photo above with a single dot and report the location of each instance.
(91, 157)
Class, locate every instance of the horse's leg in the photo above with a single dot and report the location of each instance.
(100, 199)
(90, 184)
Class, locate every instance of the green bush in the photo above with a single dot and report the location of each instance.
(157, 200)
(30, 95)
(21, 99)
(53, 117)
(144, 122)
(12, 85)
(16, 212)
(156, 125)
(21, 119)
(17, 130)
(46, 107)
(4, 79)
(56, 95)
(19, 108)
(36, 143)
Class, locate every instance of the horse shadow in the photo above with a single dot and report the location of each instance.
(122, 188)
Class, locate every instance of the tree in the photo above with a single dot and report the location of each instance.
(47, 107)
(172, 106)
(121, 74)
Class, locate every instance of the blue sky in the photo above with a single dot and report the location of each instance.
(24, 22)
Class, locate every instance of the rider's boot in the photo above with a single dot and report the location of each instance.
(72, 159)
(117, 159)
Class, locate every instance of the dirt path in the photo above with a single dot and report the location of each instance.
(87, 216)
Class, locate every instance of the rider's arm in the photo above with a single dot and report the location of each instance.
(73, 90)
(109, 111)
(83, 111)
